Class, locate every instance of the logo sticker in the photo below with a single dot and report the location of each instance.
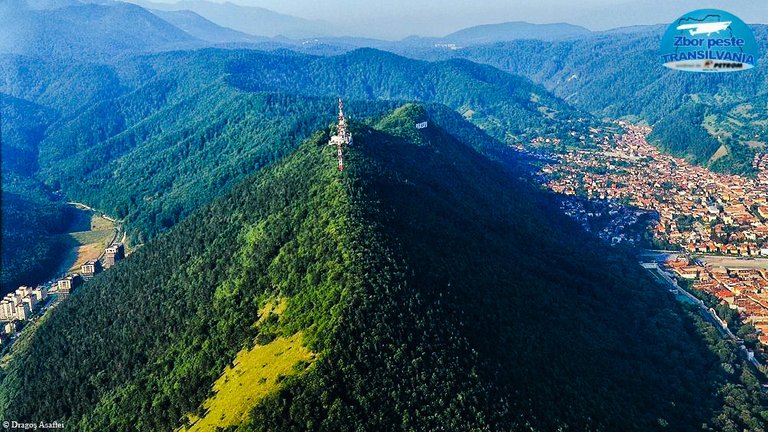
(709, 40)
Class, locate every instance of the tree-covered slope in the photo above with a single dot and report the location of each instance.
(151, 138)
(619, 74)
(35, 95)
(433, 289)
(30, 219)
(30, 213)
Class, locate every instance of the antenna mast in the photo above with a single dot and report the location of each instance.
(342, 138)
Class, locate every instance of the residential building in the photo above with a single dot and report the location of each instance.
(90, 269)
(113, 254)
(68, 284)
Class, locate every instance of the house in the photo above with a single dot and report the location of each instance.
(687, 272)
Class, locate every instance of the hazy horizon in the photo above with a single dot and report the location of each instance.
(399, 18)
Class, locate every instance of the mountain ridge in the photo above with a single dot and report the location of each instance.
(512, 30)
(255, 21)
(204, 29)
(410, 274)
(153, 103)
(635, 85)
(91, 31)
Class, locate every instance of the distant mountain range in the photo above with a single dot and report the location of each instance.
(515, 30)
(617, 73)
(251, 20)
(87, 30)
(201, 28)
(40, 28)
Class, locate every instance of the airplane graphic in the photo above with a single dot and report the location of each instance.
(708, 28)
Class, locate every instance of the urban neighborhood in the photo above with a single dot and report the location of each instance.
(715, 225)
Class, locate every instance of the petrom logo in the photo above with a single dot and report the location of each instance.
(709, 40)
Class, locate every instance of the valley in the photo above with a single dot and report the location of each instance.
(90, 234)
(462, 249)
(91, 242)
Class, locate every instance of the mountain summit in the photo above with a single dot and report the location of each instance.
(414, 290)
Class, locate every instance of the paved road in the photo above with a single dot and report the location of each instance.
(733, 262)
(81, 206)
(709, 314)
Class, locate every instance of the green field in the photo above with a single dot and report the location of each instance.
(256, 373)
(96, 233)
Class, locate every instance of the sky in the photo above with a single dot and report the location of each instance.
(392, 19)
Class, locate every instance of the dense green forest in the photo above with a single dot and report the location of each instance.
(31, 214)
(437, 290)
(151, 138)
(618, 74)
(31, 217)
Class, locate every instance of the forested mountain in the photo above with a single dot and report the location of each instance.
(427, 286)
(30, 213)
(86, 31)
(418, 284)
(35, 94)
(150, 139)
(618, 74)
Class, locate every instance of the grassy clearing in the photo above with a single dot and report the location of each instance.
(102, 237)
(89, 245)
(257, 372)
(99, 223)
(721, 152)
(276, 307)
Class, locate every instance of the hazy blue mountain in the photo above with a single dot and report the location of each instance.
(508, 31)
(46, 4)
(648, 30)
(88, 31)
(252, 20)
(201, 28)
